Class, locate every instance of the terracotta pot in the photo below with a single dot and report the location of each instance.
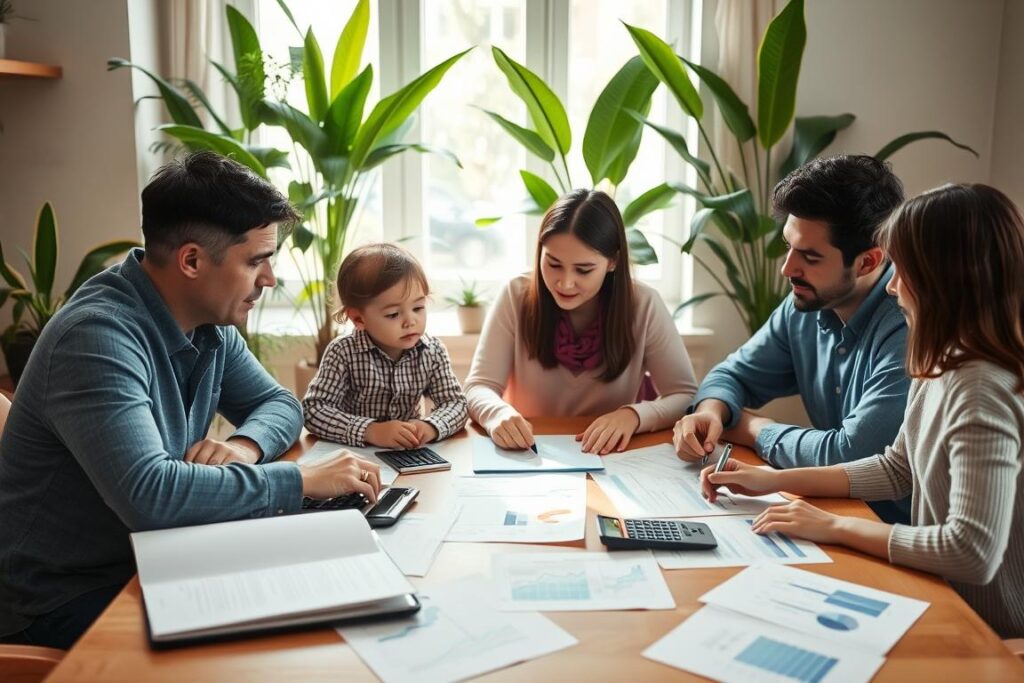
(305, 370)
(471, 318)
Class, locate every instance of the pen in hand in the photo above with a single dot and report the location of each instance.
(533, 447)
(723, 458)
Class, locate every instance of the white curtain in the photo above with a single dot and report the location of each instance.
(740, 25)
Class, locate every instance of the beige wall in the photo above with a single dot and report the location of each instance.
(1008, 136)
(68, 141)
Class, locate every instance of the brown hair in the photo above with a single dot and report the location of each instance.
(370, 270)
(960, 251)
(593, 218)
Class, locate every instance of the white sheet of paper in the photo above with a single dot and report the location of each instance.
(822, 607)
(457, 634)
(733, 648)
(524, 508)
(555, 453)
(414, 541)
(738, 546)
(654, 482)
(580, 581)
(324, 448)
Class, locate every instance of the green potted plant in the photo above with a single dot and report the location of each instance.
(470, 307)
(735, 203)
(38, 301)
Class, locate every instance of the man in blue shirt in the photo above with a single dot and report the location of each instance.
(107, 431)
(839, 341)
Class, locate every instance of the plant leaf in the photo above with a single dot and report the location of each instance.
(526, 137)
(734, 112)
(288, 13)
(96, 260)
(740, 203)
(250, 73)
(313, 75)
(382, 154)
(10, 275)
(539, 189)
(610, 128)
(904, 140)
(698, 224)
(694, 300)
(665, 65)
(348, 53)
(678, 143)
(545, 109)
(299, 126)
(653, 199)
(640, 250)
(177, 104)
(193, 88)
(270, 157)
(45, 251)
(392, 111)
(812, 134)
(778, 70)
(198, 138)
(346, 113)
(302, 237)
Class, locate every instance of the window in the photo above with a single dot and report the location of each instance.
(429, 204)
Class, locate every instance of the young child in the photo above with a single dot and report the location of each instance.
(370, 382)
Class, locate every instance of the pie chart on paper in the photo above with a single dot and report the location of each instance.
(551, 516)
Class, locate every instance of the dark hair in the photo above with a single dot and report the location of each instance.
(210, 200)
(854, 194)
(959, 249)
(594, 219)
(370, 270)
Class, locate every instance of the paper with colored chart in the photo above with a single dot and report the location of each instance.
(734, 648)
(458, 633)
(738, 545)
(555, 453)
(576, 581)
(824, 608)
(654, 482)
(526, 508)
(323, 449)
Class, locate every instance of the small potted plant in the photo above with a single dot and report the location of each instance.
(470, 307)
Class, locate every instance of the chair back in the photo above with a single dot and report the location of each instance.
(27, 663)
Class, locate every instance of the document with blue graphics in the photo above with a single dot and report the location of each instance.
(733, 648)
(738, 545)
(578, 581)
(829, 610)
(459, 633)
(555, 453)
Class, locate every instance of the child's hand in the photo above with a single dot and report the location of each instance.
(392, 434)
(425, 431)
(610, 432)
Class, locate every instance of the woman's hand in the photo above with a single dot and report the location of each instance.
(512, 433)
(610, 432)
(739, 477)
(800, 519)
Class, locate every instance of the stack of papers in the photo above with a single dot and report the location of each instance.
(776, 622)
(560, 453)
(458, 634)
(654, 482)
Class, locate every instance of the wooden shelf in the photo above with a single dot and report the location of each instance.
(14, 67)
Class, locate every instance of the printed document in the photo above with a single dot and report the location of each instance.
(459, 633)
(738, 545)
(558, 453)
(323, 449)
(578, 581)
(414, 542)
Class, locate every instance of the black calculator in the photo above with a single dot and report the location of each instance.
(414, 460)
(658, 534)
(391, 504)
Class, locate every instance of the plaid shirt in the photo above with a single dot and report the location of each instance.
(358, 384)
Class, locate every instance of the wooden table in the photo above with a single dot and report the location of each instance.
(948, 643)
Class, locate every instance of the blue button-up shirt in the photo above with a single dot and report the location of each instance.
(851, 378)
(113, 396)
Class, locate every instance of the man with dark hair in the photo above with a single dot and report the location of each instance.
(107, 433)
(839, 341)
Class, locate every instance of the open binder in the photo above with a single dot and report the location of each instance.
(231, 579)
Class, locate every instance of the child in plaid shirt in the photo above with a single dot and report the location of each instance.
(370, 382)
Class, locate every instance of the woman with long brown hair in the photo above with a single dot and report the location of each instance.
(959, 258)
(577, 336)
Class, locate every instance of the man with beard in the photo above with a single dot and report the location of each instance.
(839, 340)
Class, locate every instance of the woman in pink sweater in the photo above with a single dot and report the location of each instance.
(577, 337)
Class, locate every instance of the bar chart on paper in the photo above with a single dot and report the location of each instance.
(581, 581)
(738, 545)
(786, 660)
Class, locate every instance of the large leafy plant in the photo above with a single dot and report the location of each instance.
(610, 141)
(734, 220)
(33, 298)
(342, 147)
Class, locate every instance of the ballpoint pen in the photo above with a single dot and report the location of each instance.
(723, 458)
(533, 447)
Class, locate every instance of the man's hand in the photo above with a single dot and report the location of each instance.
(695, 435)
(392, 434)
(425, 431)
(214, 452)
(512, 433)
(610, 432)
(339, 474)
